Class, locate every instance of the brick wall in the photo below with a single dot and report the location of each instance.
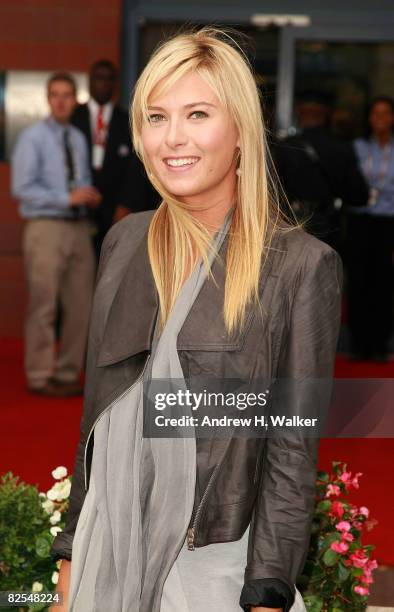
(44, 35)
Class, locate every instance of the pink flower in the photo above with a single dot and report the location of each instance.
(346, 478)
(364, 511)
(359, 558)
(337, 509)
(355, 480)
(366, 578)
(340, 547)
(360, 590)
(343, 526)
(347, 537)
(332, 490)
(368, 568)
(357, 525)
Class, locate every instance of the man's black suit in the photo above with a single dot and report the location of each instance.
(122, 180)
(315, 169)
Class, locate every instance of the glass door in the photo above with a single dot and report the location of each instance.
(351, 72)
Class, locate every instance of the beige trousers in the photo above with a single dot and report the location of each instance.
(60, 267)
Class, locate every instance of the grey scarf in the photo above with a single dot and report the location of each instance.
(140, 499)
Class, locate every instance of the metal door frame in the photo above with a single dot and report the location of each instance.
(333, 32)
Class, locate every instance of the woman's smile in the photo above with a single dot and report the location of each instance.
(180, 164)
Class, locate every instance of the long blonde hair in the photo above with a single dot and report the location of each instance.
(175, 237)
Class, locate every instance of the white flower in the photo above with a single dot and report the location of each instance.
(55, 518)
(48, 506)
(37, 587)
(52, 493)
(55, 530)
(65, 489)
(59, 473)
(60, 490)
(42, 495)
(55, 577)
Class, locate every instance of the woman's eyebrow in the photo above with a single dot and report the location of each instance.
(199, 104)
(202, 103)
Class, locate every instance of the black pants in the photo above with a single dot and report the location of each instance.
(370, 244)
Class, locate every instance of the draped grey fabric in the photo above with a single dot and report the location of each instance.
(140, 499)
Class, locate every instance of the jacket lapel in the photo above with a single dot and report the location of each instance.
(204, 327)
(132, 315)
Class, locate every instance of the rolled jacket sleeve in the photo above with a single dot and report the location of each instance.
(281, 523)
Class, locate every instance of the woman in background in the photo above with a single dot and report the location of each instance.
(371, 240)
(214, 283)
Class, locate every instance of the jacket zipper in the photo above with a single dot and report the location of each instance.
(117, 399)
(191, 532)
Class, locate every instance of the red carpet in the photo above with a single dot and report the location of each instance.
(38, 434)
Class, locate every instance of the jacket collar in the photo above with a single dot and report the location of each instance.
(132, 315)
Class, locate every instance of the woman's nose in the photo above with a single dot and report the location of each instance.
(175, 134)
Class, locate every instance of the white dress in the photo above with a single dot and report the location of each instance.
(210, 579)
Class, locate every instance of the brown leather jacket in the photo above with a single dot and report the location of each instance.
(267, 482)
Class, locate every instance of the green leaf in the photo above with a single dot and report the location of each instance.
(43, 546)
(330, 538)
(323, 476)
(369, 547)
(323, 506)
(343, 572)
(330, 557)
(313, 603)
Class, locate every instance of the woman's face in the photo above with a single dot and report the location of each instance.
(381, 118)
(190, 142)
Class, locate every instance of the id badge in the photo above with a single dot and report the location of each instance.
(373, 196)
(98, 156)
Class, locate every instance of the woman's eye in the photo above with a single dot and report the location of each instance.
(198, 114)
(156, 118)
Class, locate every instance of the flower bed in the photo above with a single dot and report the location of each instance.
(336, 576)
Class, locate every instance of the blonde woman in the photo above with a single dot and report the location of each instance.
(213, 283)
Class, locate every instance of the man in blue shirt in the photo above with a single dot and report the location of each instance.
(51, 179)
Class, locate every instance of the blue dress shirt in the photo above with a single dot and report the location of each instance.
(377, 165)
(39, 170)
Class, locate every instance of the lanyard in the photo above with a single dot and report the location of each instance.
(382, 173)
